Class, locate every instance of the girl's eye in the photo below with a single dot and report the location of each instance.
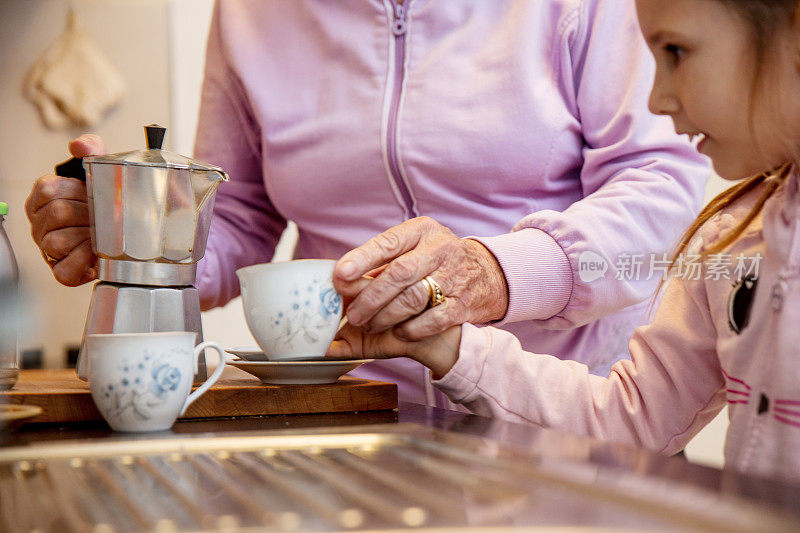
(675, 52)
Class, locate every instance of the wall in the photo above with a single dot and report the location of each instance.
(163, 73)
(28, 149)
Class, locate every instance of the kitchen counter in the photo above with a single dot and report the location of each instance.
(414, 467)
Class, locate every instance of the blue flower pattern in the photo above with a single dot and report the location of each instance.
(312, 309)
(166, 378)
(141, 387)
(330, 302)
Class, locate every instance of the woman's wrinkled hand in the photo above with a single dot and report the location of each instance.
(59, 215)
(471, 279)
(437, 352)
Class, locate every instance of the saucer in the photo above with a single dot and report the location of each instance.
(254, 353)
(12, 415)
(248, 353)
(298, 372)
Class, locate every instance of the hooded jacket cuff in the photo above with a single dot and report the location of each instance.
(537, 271)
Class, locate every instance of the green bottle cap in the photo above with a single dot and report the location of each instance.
(3, 208)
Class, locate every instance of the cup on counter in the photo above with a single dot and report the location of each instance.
(142, 381)
(291, 307)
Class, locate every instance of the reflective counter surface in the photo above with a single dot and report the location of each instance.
(416, 468)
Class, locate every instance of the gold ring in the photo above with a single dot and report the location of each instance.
(50, 259)
(435, 292)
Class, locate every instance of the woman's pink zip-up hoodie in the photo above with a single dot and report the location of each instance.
(689, 363)
(523, 123)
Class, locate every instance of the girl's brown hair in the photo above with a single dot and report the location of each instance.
(773, 180)
(764, 19)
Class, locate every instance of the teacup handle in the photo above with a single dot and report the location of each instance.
(212, 379)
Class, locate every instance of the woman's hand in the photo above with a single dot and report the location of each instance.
(59, 215)
(437, 352)
(471, 279)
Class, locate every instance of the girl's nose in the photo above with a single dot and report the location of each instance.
(662, 102)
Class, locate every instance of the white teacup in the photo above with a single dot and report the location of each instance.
(291, 307)
(141, 381)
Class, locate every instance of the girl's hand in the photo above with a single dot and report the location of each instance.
(439, 352)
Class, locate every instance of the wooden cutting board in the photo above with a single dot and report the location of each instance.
(65, 398)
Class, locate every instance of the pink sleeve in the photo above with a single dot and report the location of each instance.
(642, 183)
(246, 226)
(672, 386)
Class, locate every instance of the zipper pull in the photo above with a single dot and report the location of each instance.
(399, 22)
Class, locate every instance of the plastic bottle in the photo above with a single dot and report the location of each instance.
(9, 308)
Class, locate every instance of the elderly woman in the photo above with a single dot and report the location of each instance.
(521, 123)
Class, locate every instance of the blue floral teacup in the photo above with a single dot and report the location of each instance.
(291, 307)
(141, 381)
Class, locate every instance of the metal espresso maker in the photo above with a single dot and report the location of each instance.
(149, 211)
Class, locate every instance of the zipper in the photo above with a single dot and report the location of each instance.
(399, 26)
(792, 267)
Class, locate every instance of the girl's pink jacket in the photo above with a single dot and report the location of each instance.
(521, 122)
(684, 367)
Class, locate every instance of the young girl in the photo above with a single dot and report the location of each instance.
(728, 71)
